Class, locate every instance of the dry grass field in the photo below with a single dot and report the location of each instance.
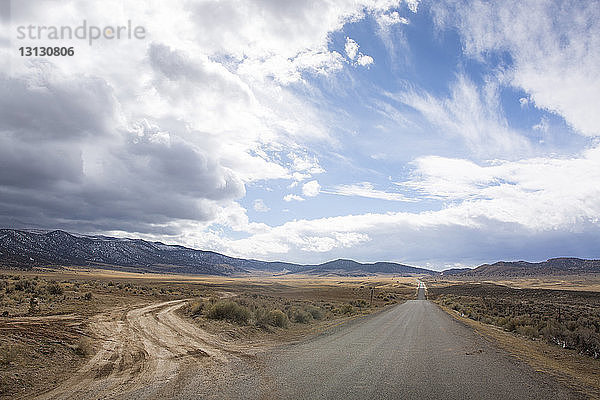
(551, 323)
(589, 282)
(52, 322)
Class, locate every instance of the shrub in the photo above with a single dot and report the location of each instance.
(562, 317)
(25, 285)
(300, 316)
(261, 317)
(55, 289)
(276, 318)
(196, 308)
(346, 309)
(230, 311)
(360, 303)
(87, 296)
(527, 330)
(83, 347)
(316, 312)
(8, 355)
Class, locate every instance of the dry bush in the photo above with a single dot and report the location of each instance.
(278, 318)
(83, 347)
(230, 311)
(570, 319)
(271, 318)
(315, 312)
(55, 289)
(196, 308)
(8, 355)
(301, 316)
(346, 309)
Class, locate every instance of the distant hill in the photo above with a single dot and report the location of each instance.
(553, 266)
(349, 267)
(455, 271)
(26, 249)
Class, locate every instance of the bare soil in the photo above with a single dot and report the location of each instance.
(129, 338)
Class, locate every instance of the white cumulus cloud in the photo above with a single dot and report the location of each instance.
(364, 60)
(351, 48)
(311, 189)
(260, 206)
(292, 197)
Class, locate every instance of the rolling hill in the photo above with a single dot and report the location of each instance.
(24, 249)
(553, 266)
(27, 249)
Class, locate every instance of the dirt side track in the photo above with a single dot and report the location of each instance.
(144, 353)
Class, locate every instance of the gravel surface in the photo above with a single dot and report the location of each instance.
(410, 351)
(413, 351)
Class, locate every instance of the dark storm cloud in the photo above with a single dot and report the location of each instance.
(40, 166)
(68, 160)
(50, 107)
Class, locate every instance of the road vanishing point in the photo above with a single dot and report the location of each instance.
(412, 350)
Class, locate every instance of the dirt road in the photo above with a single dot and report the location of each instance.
(411, 351)
(144, 352)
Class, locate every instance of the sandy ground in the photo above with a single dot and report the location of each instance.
(142, 354)
(148, 351)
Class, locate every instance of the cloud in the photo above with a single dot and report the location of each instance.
(387, 20)
(490, 210)
(351, 48)
(292, 197)
(181, 78)
(413, 5)
(277, 40)
(364, 60)
(311, 189)
(90, 171)
(554, 49)
(366, 189)
(517, 192)
(470, 113)
(260, 206)
(207, 111)
(305, 165)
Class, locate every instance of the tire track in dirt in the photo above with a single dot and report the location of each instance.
(141, 352)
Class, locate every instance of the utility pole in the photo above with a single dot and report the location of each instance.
(372, 292)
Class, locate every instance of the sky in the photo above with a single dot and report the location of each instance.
(433, 133)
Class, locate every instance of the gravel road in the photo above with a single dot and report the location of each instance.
(412, 351)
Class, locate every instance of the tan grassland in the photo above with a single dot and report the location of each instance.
(81, 331)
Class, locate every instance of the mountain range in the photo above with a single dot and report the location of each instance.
(24, 249)
(553, 266)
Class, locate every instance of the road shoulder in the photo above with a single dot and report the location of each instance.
(572, 370)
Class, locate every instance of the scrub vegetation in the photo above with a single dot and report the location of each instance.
(49, 318)
(269, 311)
(566, 318)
